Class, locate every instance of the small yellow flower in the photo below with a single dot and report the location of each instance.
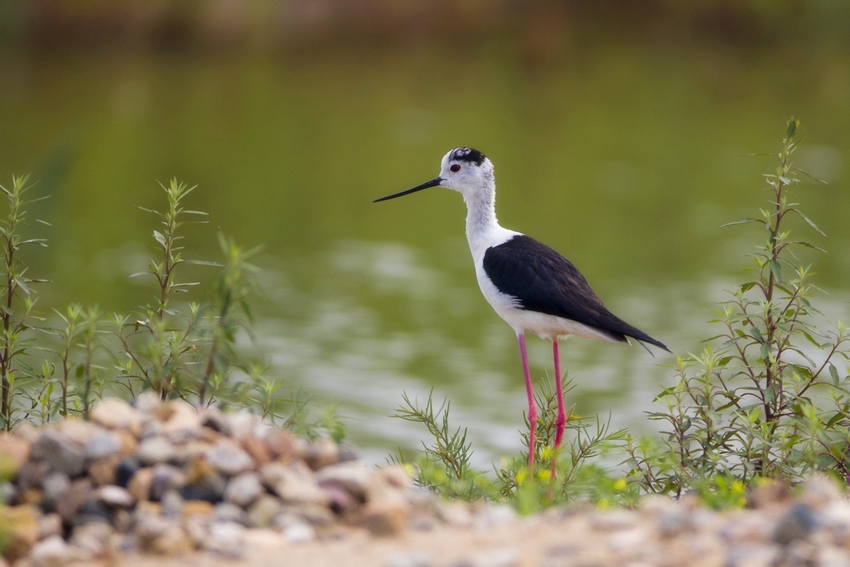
(546, 453)
(409, 469)
(620, 484)
(520, 476)
(543, 474)
(737, 487)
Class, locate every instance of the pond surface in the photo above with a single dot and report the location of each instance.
(625, 157)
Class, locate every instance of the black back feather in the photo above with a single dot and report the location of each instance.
(544, 281)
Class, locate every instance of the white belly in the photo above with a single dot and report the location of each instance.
(524, 321)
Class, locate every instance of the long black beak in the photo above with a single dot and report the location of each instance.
(433, 183)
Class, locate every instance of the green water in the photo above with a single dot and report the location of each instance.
(625, 157)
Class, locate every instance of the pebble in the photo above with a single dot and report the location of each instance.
(244, 489)
(54, 552)
(229, 459)
(15, 452)
(114, 496)
(102, 445)
(164, 478)
(156, 450)
(797, 523)
(226, 538)
(59, 452)
(117, 414)
(293, 482)
(353, 477)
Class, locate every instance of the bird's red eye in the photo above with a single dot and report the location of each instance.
(455, 168)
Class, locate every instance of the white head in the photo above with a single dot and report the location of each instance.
(464, 170)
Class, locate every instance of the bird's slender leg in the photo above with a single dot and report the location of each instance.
(561, 420)
(529, 390)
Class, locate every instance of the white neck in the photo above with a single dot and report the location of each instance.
(482, 227)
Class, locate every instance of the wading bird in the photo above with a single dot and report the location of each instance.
(529, 285)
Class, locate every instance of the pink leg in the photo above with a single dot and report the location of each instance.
(562, 413)
(529, 390)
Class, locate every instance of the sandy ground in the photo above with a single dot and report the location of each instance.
(526, 542)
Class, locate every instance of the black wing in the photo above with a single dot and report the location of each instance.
(544, 281)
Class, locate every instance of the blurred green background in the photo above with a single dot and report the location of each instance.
(620, 132)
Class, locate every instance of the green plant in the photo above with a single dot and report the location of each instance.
(765, 398)
(18, 300)
(444, 466)
(58, 366)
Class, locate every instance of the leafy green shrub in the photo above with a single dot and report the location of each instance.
(59, 365)
(765, 398)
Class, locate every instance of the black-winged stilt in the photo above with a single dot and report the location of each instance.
(529, 285)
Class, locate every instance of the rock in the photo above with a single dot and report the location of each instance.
(494, 515)
(320, 454)
(255, 447)
(298, 532)
(116, 414)
(114, 496)
(340, 500)
(280, 444)
(96, 539)
(140, 484)
(166, 477)
(19, 530)
(103, 471)
(819, 491)
(229, 459)
(70, 502)
(156, 450)
(148, 404)
(197, 508)
(77, 430)
(102, 445)
(59, 452)
(163, 536)
(293, 482)
(172, 503)
(456, 514)
(354, 477)
(244, 489)
(227, 512)
(55, 486)
(49, 525)
(125, 470)
(752, 555)
(226, 538)
(394, 475)
(14, 452)
(215, 420)
(264, 510)
(179, 420)
(385, 519)
(797, 523)
(54, 552)
(769, 494)
(313, 514)
(92, 512)
(203, 482)
(386, 510)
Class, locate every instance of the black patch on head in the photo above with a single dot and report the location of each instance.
(468, 155)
